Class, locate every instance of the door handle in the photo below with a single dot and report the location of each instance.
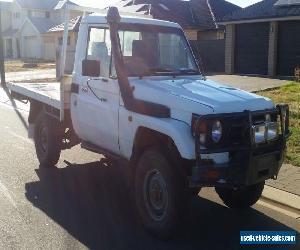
(103, 79)
(103, 99)
(85, 89)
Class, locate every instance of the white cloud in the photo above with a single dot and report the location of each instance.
(95, 3)
(243, 3)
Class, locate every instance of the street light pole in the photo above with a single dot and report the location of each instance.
(2, 69)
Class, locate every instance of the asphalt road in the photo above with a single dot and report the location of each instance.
(85, 203)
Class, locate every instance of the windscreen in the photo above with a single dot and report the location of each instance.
(155, 50)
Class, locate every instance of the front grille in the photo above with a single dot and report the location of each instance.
(238, 131)
(239, 127)
(236, 128)
(235, 131)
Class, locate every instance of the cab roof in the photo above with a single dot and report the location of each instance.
(101, 19)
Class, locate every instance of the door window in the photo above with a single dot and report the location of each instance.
(99, 48)
(126, 40)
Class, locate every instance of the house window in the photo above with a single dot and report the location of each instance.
(60, 40)
(17, 15)
(47, 14)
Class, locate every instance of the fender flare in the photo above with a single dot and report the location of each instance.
(178, 131)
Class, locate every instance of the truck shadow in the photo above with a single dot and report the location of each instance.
(93, 203)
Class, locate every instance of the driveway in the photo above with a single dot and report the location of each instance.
(30, 75)
(248, 83)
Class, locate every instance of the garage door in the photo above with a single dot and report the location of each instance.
(49, 51)
(251, 48)
(288, 47)
(31, 47)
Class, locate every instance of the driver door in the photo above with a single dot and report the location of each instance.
(98, 102)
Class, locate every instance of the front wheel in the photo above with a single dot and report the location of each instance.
(159, 194)
(241, 198)
(47, 139)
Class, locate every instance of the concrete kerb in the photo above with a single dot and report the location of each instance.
(283, 199)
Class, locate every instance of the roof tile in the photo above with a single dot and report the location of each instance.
(263, 10)
(73, 25)
(200, 14)
(42, 24)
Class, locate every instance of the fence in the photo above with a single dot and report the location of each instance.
(212, 53)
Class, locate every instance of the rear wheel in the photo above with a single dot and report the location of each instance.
(241, 198)
(159, 194)
(47, 139)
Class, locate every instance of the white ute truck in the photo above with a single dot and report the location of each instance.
(137, 93)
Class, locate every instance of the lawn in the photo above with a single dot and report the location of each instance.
(19, 65)
(44, 80)
(289, 94)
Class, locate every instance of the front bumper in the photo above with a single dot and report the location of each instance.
(249, 163)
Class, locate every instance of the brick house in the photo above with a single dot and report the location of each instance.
(263, 39)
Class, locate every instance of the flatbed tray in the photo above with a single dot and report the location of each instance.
(48, 93)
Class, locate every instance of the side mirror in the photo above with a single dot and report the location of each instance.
(91, 68)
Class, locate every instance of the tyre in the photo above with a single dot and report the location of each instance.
(47, 140)
(159, 194)
(241, 198)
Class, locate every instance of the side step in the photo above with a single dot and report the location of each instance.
(95, 149)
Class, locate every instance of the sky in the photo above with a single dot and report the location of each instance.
(104, 3)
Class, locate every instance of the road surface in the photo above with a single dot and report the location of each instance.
(85, 203)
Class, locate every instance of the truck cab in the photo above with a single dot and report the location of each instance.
(138, 94)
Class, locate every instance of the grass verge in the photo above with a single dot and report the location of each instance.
(19, 66)
(289, 94)
(44, 80)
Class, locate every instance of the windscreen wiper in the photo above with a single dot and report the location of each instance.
(161, 70)
(175, 72)
(189, 71)
(156, 71)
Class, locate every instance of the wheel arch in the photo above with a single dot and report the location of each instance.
(35, 109)
(145, 138)
(173, 142)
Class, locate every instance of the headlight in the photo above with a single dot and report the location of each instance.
(216, 132)
(259, 133)
(272, 131)
(265, 132)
